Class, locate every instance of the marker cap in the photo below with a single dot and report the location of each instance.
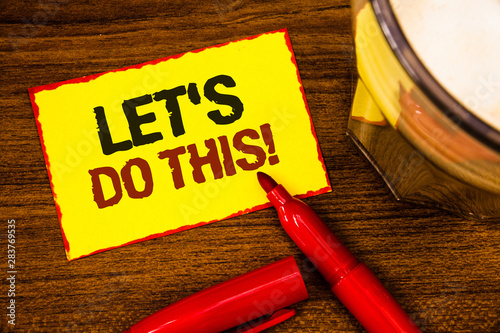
(248, 303)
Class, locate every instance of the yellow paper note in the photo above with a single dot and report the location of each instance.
(172, 144)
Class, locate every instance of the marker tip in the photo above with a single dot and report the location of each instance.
(266, 181)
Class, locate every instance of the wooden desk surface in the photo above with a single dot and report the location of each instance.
(443, 269)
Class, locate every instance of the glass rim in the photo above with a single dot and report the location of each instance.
(425, 81)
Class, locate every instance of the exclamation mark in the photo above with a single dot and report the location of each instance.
(267, 136)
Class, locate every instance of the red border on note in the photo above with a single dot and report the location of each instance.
(52, 86)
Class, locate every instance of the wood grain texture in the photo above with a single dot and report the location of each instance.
(443, 269)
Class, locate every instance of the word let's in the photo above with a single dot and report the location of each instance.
(170, 98)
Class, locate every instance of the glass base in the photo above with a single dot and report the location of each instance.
(409, 174)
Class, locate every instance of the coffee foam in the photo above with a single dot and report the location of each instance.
(459, 43)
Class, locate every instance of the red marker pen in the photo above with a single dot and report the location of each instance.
(352, 282)
(248, 303)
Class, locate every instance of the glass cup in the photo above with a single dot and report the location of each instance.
(428, 148)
